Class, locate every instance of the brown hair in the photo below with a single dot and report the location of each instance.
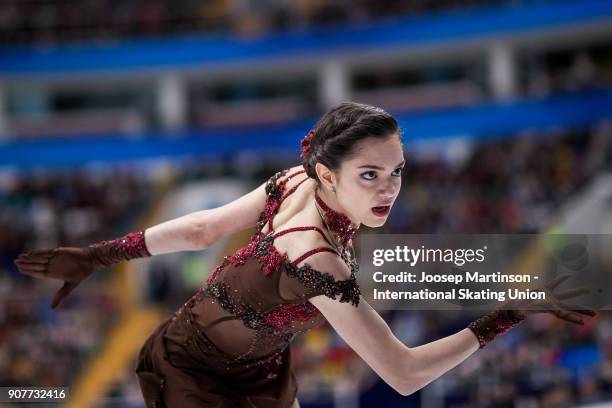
(339, 130)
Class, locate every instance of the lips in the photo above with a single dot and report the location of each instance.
(382, 210)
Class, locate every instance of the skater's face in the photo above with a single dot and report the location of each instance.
(368, 182)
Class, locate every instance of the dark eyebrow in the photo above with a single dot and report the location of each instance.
(371, 166)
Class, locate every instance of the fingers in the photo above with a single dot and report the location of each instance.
(568, 316)
(24, 260)
(32, 266)
(34, 269)
(62, 293)
(35, 263)
(557, 281)
(43, 252)
(39, 255)
(573, 293)
(577, 309)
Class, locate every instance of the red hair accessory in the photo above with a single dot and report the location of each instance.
(305, 143)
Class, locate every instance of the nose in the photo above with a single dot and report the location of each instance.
(387, 191)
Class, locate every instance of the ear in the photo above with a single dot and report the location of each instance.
(326, 176)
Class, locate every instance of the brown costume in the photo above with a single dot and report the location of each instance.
(228, 346)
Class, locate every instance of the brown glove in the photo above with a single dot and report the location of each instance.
(74, 265)
(501, 320)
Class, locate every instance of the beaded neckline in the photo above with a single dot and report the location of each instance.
(338, 223)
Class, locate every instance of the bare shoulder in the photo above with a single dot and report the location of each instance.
(299, 243)
(293, 169)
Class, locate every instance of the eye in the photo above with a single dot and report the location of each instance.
(369, 175)
(398, 172)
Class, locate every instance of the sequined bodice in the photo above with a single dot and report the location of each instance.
(256, 300)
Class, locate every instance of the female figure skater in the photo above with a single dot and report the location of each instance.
(228, 345)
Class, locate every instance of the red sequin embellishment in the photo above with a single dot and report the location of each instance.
(338, 223)
(285, 314)
(128, 247)
(305, 143)
(261, 247)
(493, 324)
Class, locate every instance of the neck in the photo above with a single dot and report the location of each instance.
(339, 223)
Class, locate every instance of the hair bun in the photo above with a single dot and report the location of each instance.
(339, 130)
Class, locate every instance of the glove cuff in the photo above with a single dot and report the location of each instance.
(127, 247)
(494, 323)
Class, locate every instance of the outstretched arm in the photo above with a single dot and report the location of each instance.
(200, 229)
(408, 369)
(405, 369)
(190, 232)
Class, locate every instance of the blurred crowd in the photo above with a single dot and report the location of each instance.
(572, 365)
(66, 20)
(502, 185)
(544, 362)
(514, 185)
(42, 209)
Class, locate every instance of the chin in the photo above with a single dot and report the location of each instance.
(375, 223)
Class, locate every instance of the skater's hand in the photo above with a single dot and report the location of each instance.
(69, 264)
(554, 303)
